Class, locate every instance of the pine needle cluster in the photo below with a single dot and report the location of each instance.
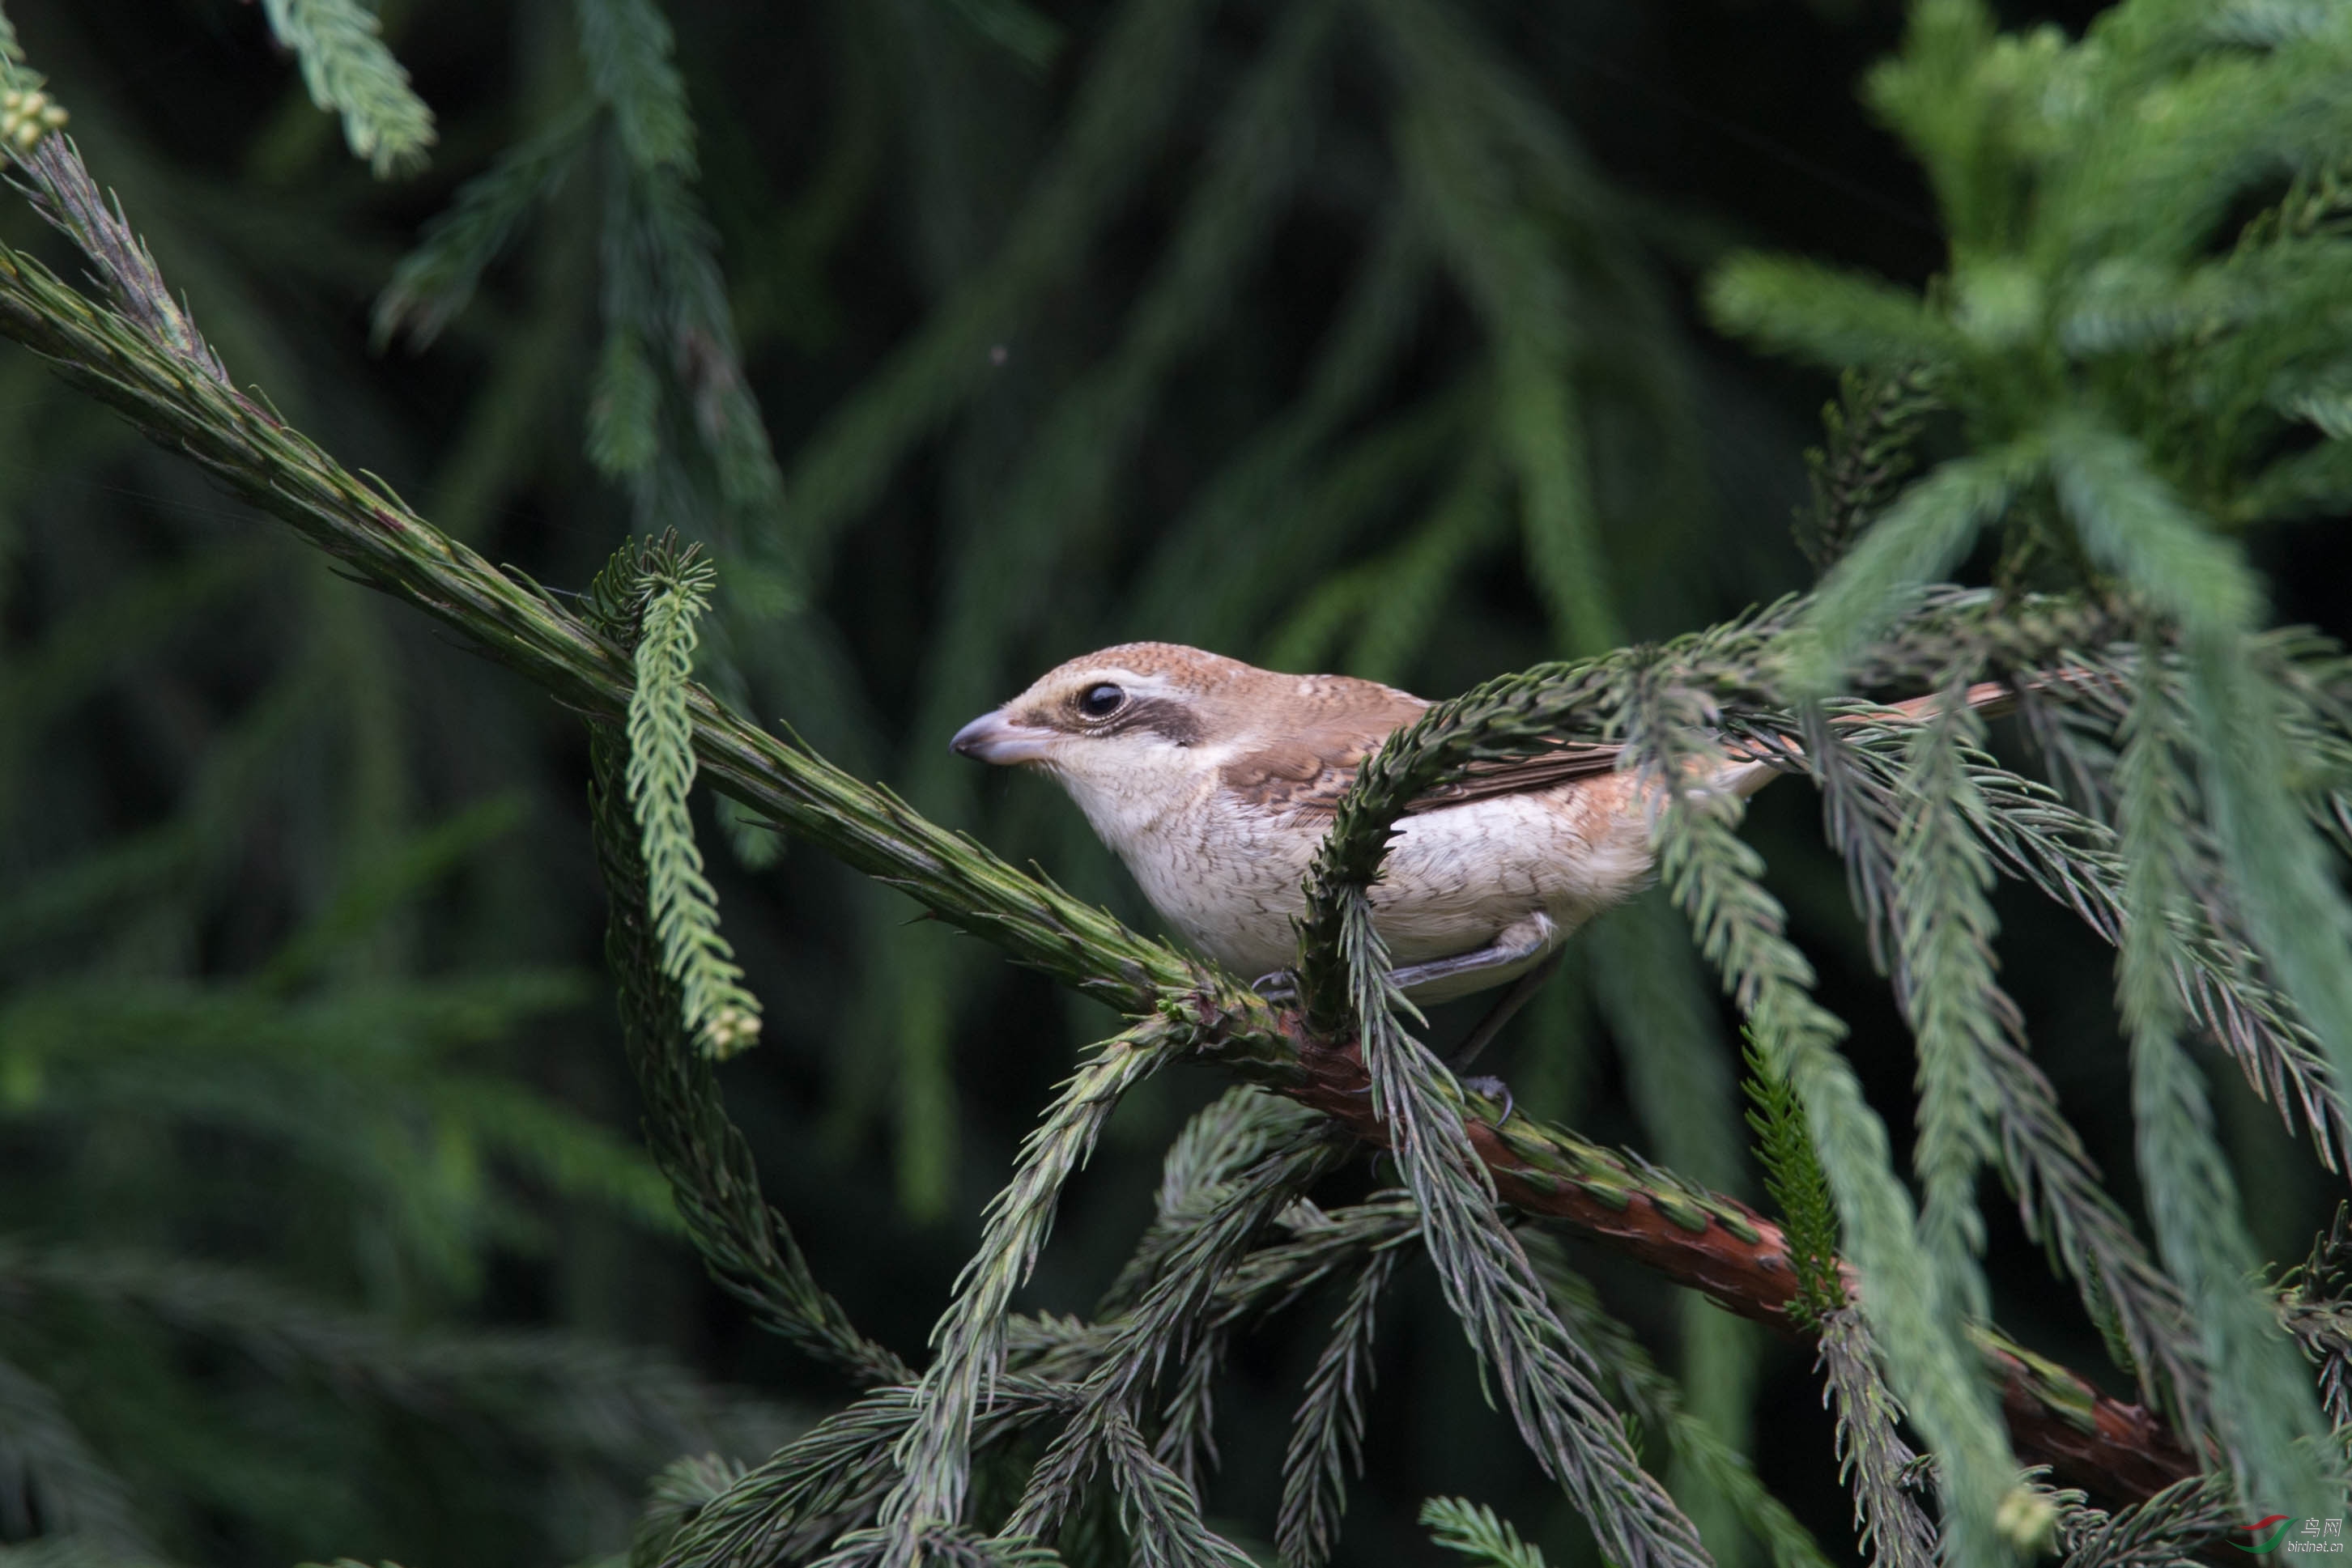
(2134, 369)
(350, 72)
(668, 589)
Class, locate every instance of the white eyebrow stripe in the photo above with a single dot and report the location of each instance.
(1142, 686)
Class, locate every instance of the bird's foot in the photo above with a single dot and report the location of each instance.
(1492, 1089)
(1280, 987)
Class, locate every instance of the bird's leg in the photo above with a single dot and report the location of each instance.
(1515, 944)
(1523, 990)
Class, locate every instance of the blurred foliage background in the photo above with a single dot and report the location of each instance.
(971, 334)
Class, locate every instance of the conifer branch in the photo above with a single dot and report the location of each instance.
(1546, 1377)
(2315, 1303)
(2218, 981)
(1159, 1509)
(1216, 1148)
(626, 45)
(2268, 1421)
(2181, 1524)
(436, 281)
(1870, 430)
(350, 72)
(1792, 1177)
(1865, 801)
(671, 590)
(1656, 1400)
(1711, 874)
(1179, 1304)
(968, 1344)
(1327, 1440)
(1187, 1443)
(1460, 1525)
(1872, 1457)
(748, 1246)
(143, 359)
(1960, 1017)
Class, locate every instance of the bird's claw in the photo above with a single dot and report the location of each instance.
(1492, 1089)
(1280, 987)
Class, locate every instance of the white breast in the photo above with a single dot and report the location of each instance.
(1228, 878)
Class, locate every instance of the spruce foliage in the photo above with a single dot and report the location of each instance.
(348, 73)
(2130, 366)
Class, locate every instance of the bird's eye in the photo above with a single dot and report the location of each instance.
(1102, 701)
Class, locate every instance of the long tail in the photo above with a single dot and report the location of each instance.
(1744, 774)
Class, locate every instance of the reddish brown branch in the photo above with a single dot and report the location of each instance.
(2117, 1452)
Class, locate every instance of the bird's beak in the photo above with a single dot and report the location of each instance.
(992, 737)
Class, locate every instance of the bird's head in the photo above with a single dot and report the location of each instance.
(1125, 728)
(1139, 730)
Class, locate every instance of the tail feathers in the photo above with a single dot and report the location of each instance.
(1743, 775)
(1991, 698)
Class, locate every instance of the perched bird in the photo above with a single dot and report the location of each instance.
(1215, 782)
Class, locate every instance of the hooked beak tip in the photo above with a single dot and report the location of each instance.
(992, 737)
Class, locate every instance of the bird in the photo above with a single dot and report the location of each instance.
(1215, 781)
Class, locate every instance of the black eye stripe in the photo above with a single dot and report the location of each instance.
(1169, 719)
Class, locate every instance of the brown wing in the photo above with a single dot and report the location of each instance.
(1304, 772)
(1522, 776)
(1311, 771)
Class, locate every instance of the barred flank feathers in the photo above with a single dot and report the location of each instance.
(350, 72)
(722, 1016)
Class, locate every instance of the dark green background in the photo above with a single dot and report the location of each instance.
(262, 1006)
